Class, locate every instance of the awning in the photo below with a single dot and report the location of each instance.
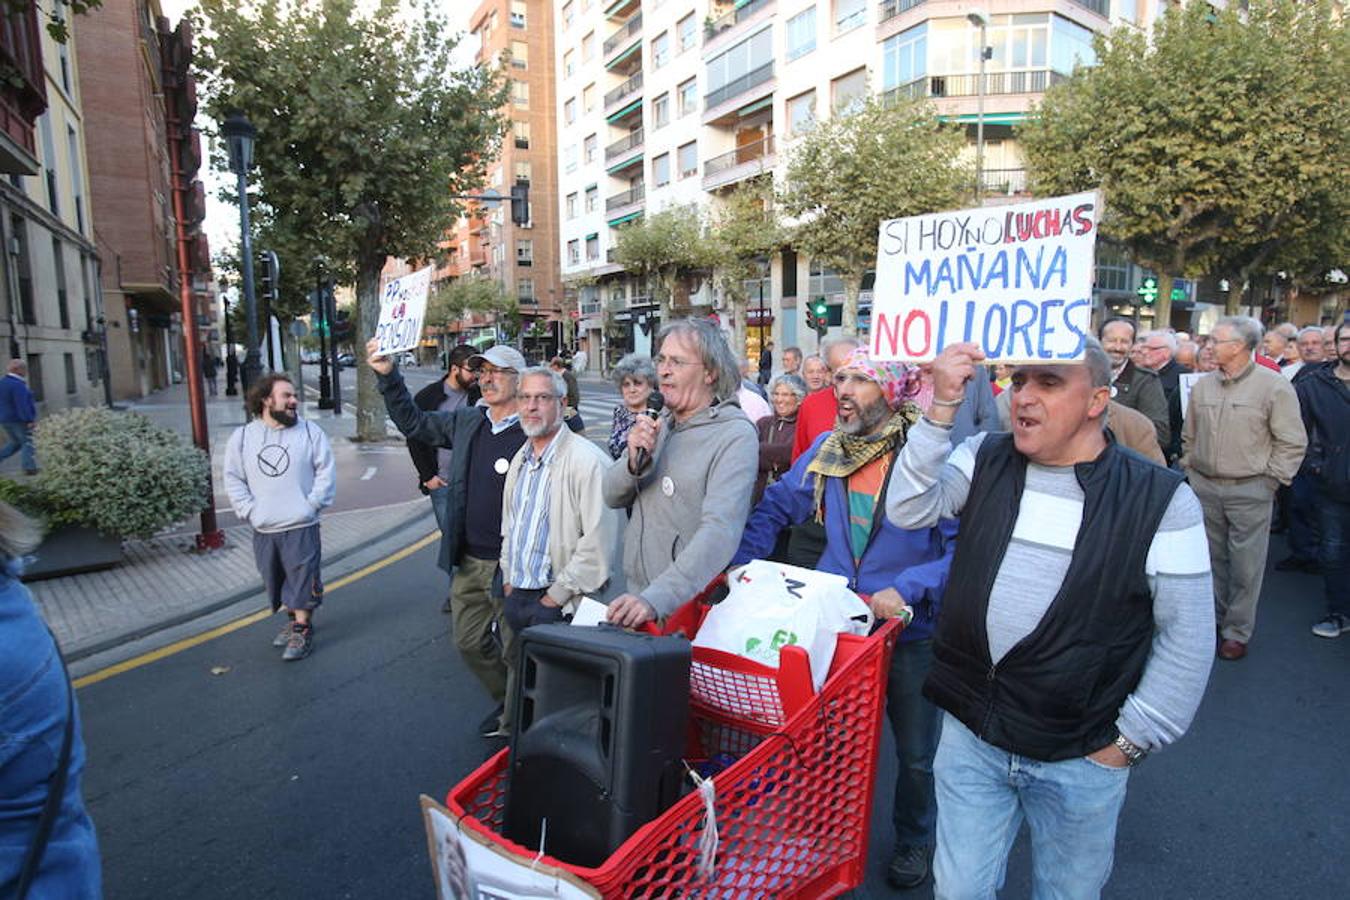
(628, 218)
(1003, 118)
(636, 104)
(755, 107)
(593, 235)
(637, 44)
(637, 157)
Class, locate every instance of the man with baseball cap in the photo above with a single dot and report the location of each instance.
(840, 482)
(484, 438)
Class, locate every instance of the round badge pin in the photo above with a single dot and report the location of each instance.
(668, 486)
(1113, 392)
(501, 465)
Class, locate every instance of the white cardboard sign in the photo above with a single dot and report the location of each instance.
(1016, 280)
(403, 307)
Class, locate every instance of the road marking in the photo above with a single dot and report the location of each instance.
(188, 643)
(369, 474)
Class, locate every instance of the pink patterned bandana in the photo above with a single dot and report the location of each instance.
(899, 382)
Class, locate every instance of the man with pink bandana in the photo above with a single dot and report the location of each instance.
(840, 481)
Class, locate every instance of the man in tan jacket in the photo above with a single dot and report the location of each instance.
(559, 540)
(1243, 438)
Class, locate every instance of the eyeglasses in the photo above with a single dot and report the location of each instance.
(489, 371)
(674, 361)
(539, 399)
(1229, 341)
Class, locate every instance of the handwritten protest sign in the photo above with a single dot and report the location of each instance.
(1017, 280)
(403, 307)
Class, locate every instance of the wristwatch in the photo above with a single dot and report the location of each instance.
(1134, 754)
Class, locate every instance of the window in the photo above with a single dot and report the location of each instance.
(660, 50)
(1113, 269)
(567, 15)
(688, 94)
(523, 172)
(743, 59)
(76, 176)
(570, 110)
(824, 282)
(49, 163)
(525, 253)
(569, 63)
(1072, 45)
(517, 13)
(850, 91)
(525, 291)
(520, 54)
(588, 47)
(35, 377)
(688, 32)
(591, 148)
(661, 111)
(801, 34)
(19, 229)
(849, 14)
(592, 247)
(661, 169)
(904, 58)
(687, 159)
(573, 252)
(801, 113)
(70, 373)
(570, 157)
(571, 205)
(520, 94)
(521, 132)
(588, 97)
(62, 296)
(592, 198)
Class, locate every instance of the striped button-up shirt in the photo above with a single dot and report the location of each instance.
(530, 567)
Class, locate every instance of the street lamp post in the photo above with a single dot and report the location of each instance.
(239, 136)
(980, 19)
(322, 326)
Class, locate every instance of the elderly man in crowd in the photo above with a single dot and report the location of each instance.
(559, 540)
(815, 373)
(1187, 354)
(792, 361)
(484, 437)
(1131, 385)
(1158, 351)
(688, 476)
(1076, 624)
(840, 482)
(1311, 354)
(1324, 400)
(1243, 438)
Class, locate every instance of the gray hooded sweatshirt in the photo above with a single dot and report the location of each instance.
(690, 503)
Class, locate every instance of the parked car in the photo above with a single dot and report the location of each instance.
(346, 360)
(406, 359)
(309, 357)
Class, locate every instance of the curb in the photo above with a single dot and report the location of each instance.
(237, 597)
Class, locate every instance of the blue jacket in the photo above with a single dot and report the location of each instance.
(32, 724)
(915, 563)
(16, 400)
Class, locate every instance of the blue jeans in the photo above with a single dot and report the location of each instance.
(20, 440)
(1333, 520)
(915, 723)
(984, 794)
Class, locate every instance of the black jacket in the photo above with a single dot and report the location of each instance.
(1140, 390)
(1324, 401)
(1169, 376)
(1056, 694)
(424, 455)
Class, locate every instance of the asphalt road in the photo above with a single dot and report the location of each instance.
(222, 772)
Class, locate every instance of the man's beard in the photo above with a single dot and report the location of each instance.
(535, 430)
(866, 419)
(284, 417)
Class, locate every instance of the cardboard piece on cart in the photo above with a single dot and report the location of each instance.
(467, 866)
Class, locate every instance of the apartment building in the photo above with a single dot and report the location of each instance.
(676, 101)
(51, 308)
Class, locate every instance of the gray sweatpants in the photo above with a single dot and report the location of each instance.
(289, 564)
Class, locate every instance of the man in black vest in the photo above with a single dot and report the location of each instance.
(1077, 629)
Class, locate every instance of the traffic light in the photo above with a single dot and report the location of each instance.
(520, 203)
(820, 314)
(269, 277)
(1148, 291)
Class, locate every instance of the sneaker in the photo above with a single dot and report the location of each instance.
(908, 868)
(283, 635)
(299, 644)
(491, 726)
(1332, 626)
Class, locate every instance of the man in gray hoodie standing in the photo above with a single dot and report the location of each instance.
(688, 476)
(279, 473)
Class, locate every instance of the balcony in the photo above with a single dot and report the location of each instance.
(618, 8)
(744, 162)
(726, 101)
(892, 8)
(622, 207)
(721, 31)
(626, 151)
(623, 37)
(1100, 7)
(623, 95)
(1003, 182)
(1028, 81)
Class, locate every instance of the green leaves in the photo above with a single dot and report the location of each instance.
(664, 248)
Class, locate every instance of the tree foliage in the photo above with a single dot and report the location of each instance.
(1221, 144)
(665, 248)
(883, 160)
(365, 131)
(451, 301)
(743, 233)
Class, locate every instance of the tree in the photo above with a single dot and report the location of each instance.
(665, 249)
(743, 233)
(365, 131)
(881, 160)
(451, 301)
(1221, 144)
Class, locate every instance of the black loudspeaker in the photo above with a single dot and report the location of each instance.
(596, 745)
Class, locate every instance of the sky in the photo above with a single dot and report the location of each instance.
(222, 219)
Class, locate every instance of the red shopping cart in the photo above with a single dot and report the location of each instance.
(792, 812)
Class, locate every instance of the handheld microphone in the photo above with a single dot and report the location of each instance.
(655, 403)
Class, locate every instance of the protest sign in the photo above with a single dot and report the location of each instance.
(403, 307)
(1186, 381)
(1016, 280)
